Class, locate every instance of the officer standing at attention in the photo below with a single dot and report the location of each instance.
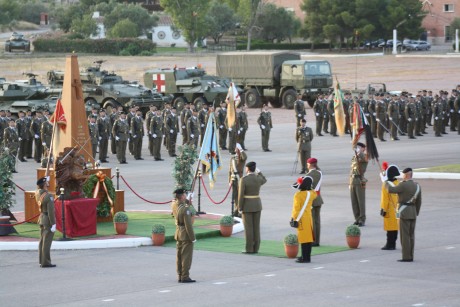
(120, 132)
(299, 107)
(93, 134)
(250, 205)
(242, 118)
(193, 129)
(11, 141)
(104, 128)
(184, 236)
(265, 123)
(410, 201)
(358, 184)
(23, 136)
(137, 133)
(315, 173)
(318, 108)
(221, 123)
(148, 120)
(237, 163)
(35, 127)
(202, 116)
(304, 136)
(47, 222)
(156, 133)
(171, 130)
(46, 133)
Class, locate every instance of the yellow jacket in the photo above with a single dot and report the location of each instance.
(389, 203)
(305, 229)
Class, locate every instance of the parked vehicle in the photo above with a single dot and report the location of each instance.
(417, 45)
(17, 42)
(389, 44)
(374, 44)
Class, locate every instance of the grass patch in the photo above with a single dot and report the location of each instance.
(450, 168)
(267, 247)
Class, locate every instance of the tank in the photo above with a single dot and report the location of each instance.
(17, 42)
(191, 85)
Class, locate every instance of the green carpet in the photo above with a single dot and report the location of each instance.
(267, 247)
(450, 168)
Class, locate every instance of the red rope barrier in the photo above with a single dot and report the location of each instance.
(6, 225)
(152, 202)
(19, 187)
(209, 196)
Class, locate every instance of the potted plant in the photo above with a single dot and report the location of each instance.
(353, 234)
(158, 234)
(120, 222)
(226, 226)
(291, 245)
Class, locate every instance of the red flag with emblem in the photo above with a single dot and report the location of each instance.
(59, 116)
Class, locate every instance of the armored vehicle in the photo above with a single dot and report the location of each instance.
(277, 77)
(109, 90)
(187, 85)
(17, 42)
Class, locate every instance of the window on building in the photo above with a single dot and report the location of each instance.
(447, 34)
(448, 7)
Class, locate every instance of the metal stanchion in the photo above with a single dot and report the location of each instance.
(232, 213)
(118, 177)
(199, 194)
(64, 236)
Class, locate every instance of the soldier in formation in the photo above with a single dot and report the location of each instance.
(93, 135)
(156, 132)
(120, 132)
(299, 108)
(137, 134)
(221, 120)
(235, 173)
(304, 137)
(265, 124)
(243, 125)
(11, 141)
(104, 129)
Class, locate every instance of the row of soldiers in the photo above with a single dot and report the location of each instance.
(395, 114)
(161, 126)
(18, 135)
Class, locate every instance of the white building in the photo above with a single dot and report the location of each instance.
(164, 36)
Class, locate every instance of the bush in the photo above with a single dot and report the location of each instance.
(146, 53)
(353, 231)
(291, 239)
(158, 229)
(226, 220)
(124, 52)
(120, 217)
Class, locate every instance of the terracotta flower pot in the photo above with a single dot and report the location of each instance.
(158, 239)
(226, 231)
(291, 250)
(353, 241)
(121, 228)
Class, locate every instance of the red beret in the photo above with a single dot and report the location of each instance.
(312, 160)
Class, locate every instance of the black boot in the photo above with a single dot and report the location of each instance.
(388, 244)
(306, 251)
(394, 237)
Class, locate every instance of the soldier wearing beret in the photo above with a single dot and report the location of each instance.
(317, 176)
(184, 236)
(410, 200)
(250, 205)
(47, 222)
(358, 184)
(304, 136)
(193, 129)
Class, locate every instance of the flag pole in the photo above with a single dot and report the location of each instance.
(52, 139)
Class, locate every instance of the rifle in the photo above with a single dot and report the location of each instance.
(397, 127)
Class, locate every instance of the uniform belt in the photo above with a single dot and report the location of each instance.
(180, 225)
(405, 204)
(251, 196)
(45, 213)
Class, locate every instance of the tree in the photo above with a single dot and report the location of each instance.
(221, 18)
(85, 26)
(65, 15)
(135, 13)
(277, 24)
(9, 11)
(249, 11)
(190, 17)
(30, 11)
(405, 16)
(124, 28)
(454, 26)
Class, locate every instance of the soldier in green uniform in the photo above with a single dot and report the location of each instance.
(445, 111)
(3, 124)
(457, 111)
(371, 104)
(93, 134)
(120, 131)
(156, 133)
(318, 108)
(184, 236)
(358, 184)
(410, 201)
(221, 120)
(113, 117)
(185, 114)
(11, 141)
(304, 136)
(265, 124)
(380, 117)
(393, 117)
(242, 118)
(47, 222)
(137, 133)
(165, 113)
(410, 117)
(23, 136)
(171, 129)
(418, 116)
(250, 205)
(46, 133)
(30, 141)
(193, 129)
(148, 119)
(104, 128)
(317, 176)
(202, 117)
(331, 114)
(235, 172)
(35, 127)
(437, 115)
(347, 102)
(453, 114)
(299, 107)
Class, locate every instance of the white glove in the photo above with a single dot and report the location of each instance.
(183, 127)
(53, 228)
(202, 125)
(262, 126)
(20, 139)
(257, 170)
(129, 140)
(117, 138)
(377, 119)
(367, 114)
(416, 119)
(299, 115)
(134, 136)
(192, 136)
(451, 110)
(239, 131)
(375, 114)
(391, 118)
(36, 136)
(194, 241)
(43, 144)
(171, 131)
(230, 129)
(436, 118)
(317, 114)
(221, 127)
(409, 119)
(333, 114)
(154, 136)
(100, 138)
(383, 177)
(189, 196)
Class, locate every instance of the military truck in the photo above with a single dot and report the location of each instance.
(187, 85)
(372, 89)
(109, 90)
(277, 77)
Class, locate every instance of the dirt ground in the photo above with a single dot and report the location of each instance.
(410, 72)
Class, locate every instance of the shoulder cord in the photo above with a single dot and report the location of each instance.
(304, 207)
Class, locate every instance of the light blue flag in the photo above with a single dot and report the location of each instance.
(210, 152)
